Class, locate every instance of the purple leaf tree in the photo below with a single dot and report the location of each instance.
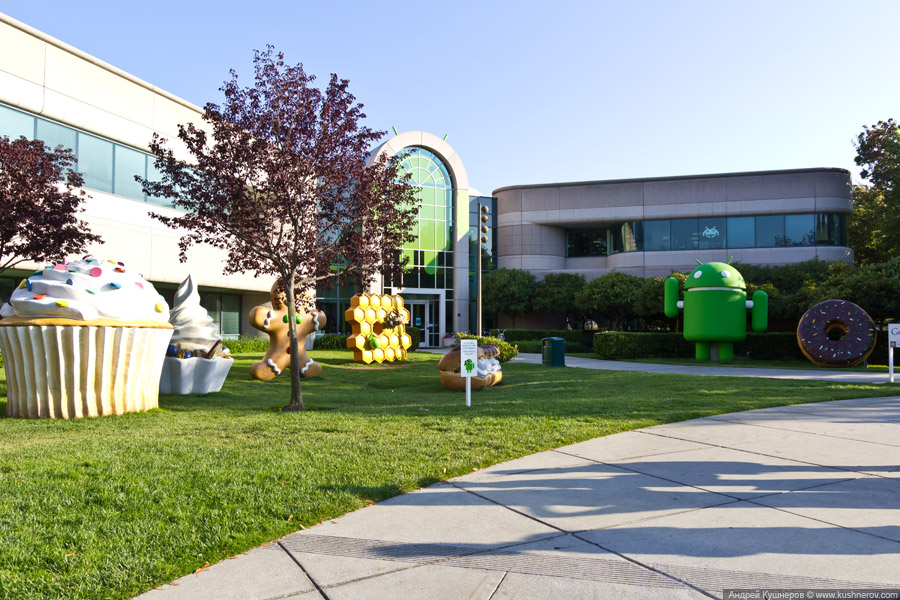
(283, 184)
(40, 198)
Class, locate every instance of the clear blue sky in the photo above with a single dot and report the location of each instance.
(543, 91)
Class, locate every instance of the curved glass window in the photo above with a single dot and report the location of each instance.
(434, 230)
(704, 233)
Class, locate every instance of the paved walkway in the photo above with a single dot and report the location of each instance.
(802, 497)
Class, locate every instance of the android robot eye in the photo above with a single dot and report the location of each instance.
(725, 274)
(697, 275)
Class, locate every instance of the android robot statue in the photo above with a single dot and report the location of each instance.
(715, 309)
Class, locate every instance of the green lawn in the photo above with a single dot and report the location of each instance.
(111, 507)
(801, 365)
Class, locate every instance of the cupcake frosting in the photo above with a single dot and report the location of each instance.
(86, 290)
(194, 328)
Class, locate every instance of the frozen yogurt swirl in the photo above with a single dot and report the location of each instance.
(87, 290)
(194, 328)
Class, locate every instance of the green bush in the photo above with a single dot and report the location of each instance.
(612, 345)
(572, 336)
(507, 350)
(536, 346)
(330, 341)
(247, 343)
(416, 334)
(1, 361)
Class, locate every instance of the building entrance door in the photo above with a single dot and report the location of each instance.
(425, 314)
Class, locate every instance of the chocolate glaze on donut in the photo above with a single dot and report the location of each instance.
(844, 320)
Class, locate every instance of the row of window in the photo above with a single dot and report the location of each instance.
(707, 233)
(106, 166)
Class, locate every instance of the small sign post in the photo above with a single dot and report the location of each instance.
(893, 342)
(468, 359)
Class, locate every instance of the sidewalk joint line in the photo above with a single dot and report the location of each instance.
(499, 583)
(305, 572)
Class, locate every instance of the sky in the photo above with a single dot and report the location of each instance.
(541, 92)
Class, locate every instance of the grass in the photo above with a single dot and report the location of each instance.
(749, 363)
(111, 507)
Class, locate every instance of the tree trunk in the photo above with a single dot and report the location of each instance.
(296, 403)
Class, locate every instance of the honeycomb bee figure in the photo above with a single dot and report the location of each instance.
(378, 323)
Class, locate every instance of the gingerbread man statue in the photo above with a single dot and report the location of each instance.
(274, 322)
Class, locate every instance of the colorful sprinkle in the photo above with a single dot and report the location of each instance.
(29, 285)
(38, 272)
(112, 261)
(115, 285)
(60, 268)
(121, 264)
(40, 296)
(96, 272)
(23, 284)
(62, 302)
(91, 292)
(120, 270)
(139, 284)
(86, 256)
(160, 307)
(70, 282)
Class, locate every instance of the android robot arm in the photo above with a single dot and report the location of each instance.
(759, 311)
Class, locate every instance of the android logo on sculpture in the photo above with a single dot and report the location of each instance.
(715, 309)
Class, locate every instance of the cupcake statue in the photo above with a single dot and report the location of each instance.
(196, 362)
(83, 339)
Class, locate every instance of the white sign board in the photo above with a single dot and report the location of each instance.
(468, 357)
(894, 335)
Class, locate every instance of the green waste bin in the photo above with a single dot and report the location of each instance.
(554, 352)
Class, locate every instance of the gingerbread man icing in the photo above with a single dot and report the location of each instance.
(274, 321)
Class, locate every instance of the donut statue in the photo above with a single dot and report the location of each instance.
(274, 321)
(836, 333)
(487, 369)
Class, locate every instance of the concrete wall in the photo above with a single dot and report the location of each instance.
(532, 219)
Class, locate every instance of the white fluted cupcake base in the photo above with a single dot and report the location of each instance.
(65, 372)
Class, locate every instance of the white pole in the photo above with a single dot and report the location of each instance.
(469, 388)
(891, 363)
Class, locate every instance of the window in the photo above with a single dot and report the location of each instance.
(95, 161)
(741, 232)
(770, 231)
(800, 230)
(684, 234)
(712, 232)
(15, 124)
(656, 235)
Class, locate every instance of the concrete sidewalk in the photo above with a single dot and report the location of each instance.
(806, 496)
(813, 374)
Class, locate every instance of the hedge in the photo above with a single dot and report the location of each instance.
(572, 336)
(247, 343)
(612, 345)
(330, 341)
(507, 350)
(536, 346)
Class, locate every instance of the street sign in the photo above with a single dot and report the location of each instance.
(468, 357)
(893, 342)
(468, 360)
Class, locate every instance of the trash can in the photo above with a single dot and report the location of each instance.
(554, 352)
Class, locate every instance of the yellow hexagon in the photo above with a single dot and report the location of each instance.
(390, 354)
(375, 301)
(382, 315)
(398, 302)
(359, 341)
(362, 300)
(378, 354)
(367, 356)
(395, 340)
(384, 341)
(405, 341)
(365, 328)
(401, 354)
(371, 315)
(405, 314)
(387, 302)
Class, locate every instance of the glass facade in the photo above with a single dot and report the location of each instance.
(107, 167)
(488, 255)
(759, 231)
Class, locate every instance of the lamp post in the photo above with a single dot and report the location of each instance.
(483, 211)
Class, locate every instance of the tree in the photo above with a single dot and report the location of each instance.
(875, 222)
(282, 186)
(40, 198)
(613, 295)
(556, 294)
(509, 291)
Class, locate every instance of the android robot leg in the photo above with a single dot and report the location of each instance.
(726, 351)
(701, 350)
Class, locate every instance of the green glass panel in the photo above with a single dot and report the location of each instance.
(54, 134)
(430, 261)
(95, 162)
(408, 253)
(426, 237)
(231, 314)
(427, 195)
(128, 164)
(426, 211)
(441, 238)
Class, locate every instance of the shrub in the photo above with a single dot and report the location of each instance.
(507, 350)
(416, 334)
(247, 343)
(612, 345)
(330, 341)
(1, 361)
(537, 346)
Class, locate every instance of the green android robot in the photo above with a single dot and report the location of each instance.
(715, 309)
